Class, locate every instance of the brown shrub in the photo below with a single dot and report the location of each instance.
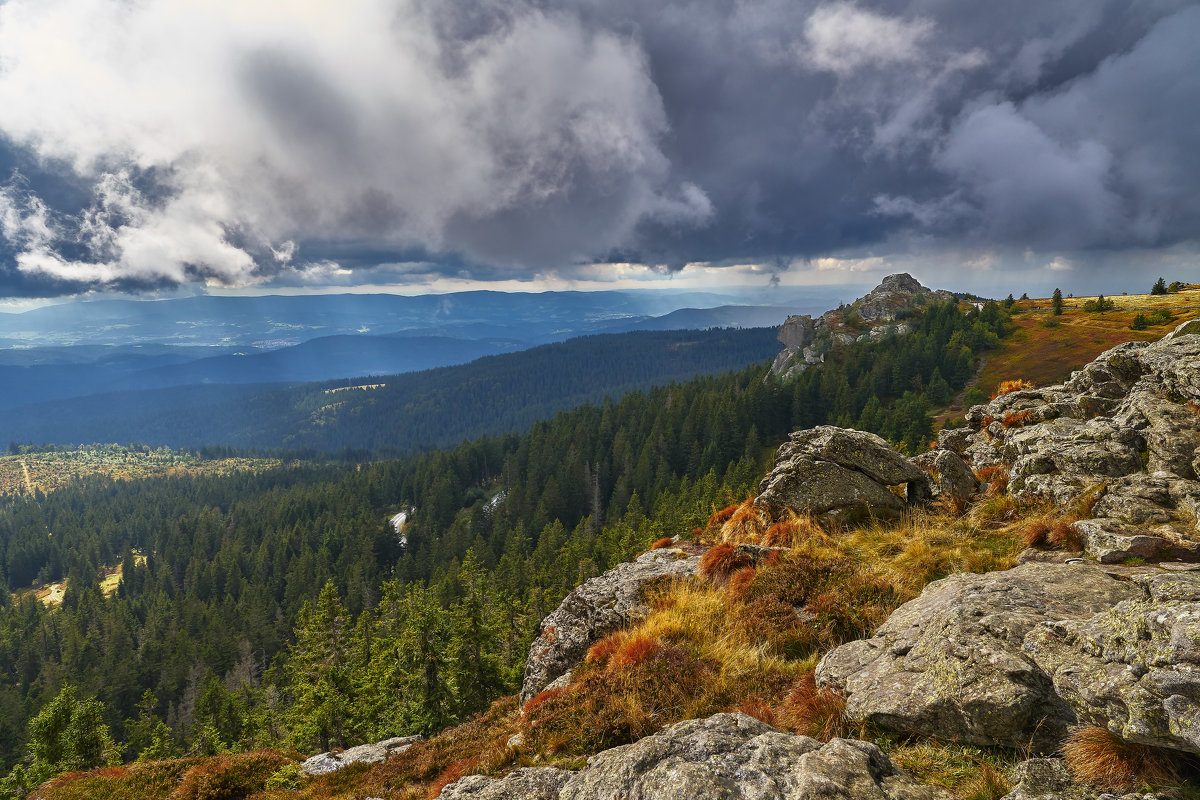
(1036, 534)
(1007, 387)
(1016, 419)
(539, 698)
(659, 544)
(405, 774)
(1065, 537)
(633, 651)
(721, 516)
(985, 422)
(721, 561)
(996, 478)
(449, 775)
(756, 706)
(1098, 758)
(837, 602)
(600, 652)
(817, 712)
(740, 582)
(618, 705)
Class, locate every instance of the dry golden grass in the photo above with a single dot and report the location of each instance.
(747, 525)
(1098, 758)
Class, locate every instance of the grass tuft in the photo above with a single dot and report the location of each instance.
(747, 525)
(1098, 758)
(817, 711)
(666, 541)
(722, 561)
(1036, 534)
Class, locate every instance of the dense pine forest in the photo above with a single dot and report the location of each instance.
(283, 607)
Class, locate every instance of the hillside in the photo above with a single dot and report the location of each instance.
(1030, 634)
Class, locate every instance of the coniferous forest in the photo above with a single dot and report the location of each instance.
(283, 607)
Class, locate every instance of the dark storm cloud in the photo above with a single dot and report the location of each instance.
(229, 142)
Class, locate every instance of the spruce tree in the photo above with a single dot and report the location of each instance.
(1056, 303)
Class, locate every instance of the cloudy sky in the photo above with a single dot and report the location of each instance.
(255, 144)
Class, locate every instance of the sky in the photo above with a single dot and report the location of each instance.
(161, 146)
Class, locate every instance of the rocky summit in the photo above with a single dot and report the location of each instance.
(874, 316)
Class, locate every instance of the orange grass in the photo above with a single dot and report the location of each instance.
(1098, 758)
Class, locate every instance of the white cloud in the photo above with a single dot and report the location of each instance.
(842, 38)
(250, 127)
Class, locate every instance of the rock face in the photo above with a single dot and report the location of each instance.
(1129, 421)
(806, 341)
(723, 757)
(840, 473)
(950, 663)
(949, 475)
(595, 609)
(1135, 667)
(324, 763)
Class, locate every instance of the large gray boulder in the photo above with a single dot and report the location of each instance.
(838, 473)
(595, 609)
(950, 663)
(736, 757)
(1135, 667)
(531, 783)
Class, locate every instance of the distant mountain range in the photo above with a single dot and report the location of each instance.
(86, 348)
(387, 414)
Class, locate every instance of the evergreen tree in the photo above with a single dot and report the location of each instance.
(1159, 287)
(1056, 303)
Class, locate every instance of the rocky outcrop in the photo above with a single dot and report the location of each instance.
(726, 756)
(951, 664)
(838, 473)
(1134, 668)
(1015, 657)
(1128, 421)
(1125, 429)
(595, 609)
(324, 763)
(806, 341)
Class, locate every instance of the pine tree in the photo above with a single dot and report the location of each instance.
(1160, 287)
(1056, 303)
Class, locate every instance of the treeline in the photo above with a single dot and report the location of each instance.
(282, 607)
